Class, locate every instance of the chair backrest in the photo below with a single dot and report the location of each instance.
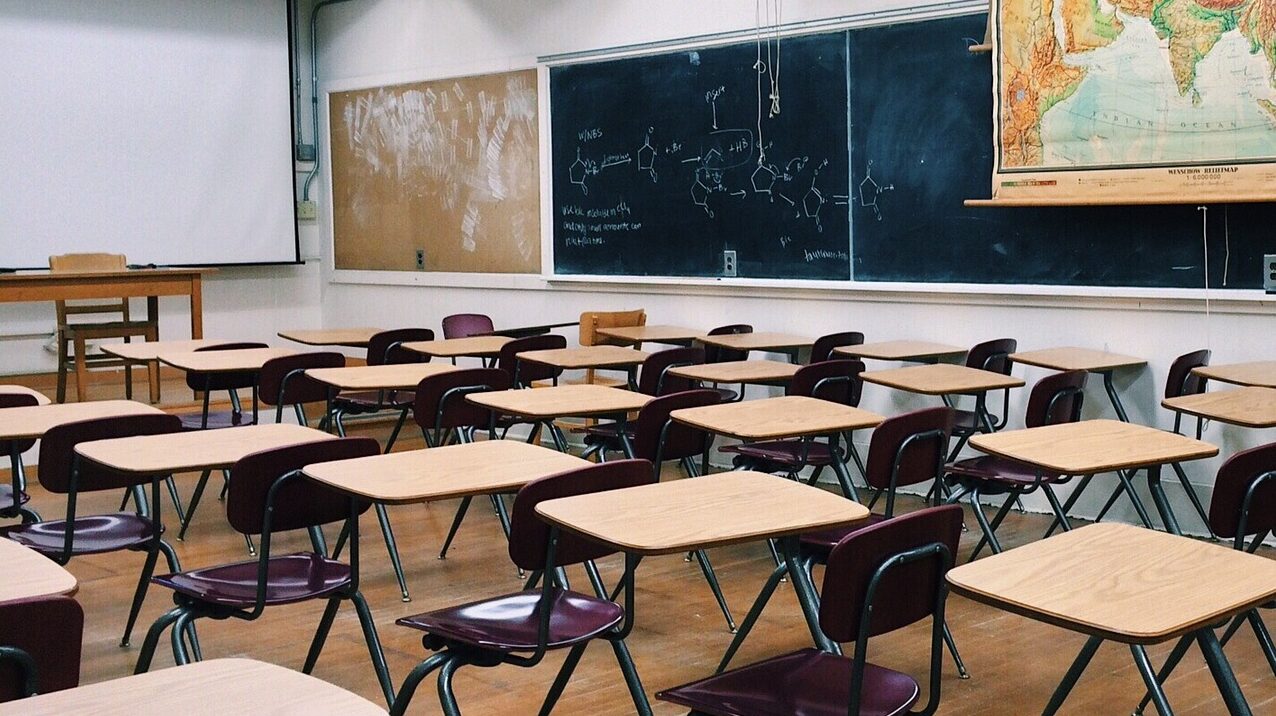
(908, 449)
(1233, 483)
(283, 380)
(223, 381)
(658, 438)
(529, 535)
(57, 451)
(383, 347)
(522, 373)
(440, 399)
(905, 594)
(1181, 380)
(591, 321)
(464, 325)
(86, 263)
(992, 355)
(837, 381)
(299, 503)
(654, 378)
(823, 347)
(1056, 399)
(50, 630)
(16, 400)
(716, 354)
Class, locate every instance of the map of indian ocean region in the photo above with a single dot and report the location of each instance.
(1127, 101)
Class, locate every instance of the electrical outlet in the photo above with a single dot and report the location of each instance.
(728, 264)
(420, 258)
(1269, 273)
(307, 211)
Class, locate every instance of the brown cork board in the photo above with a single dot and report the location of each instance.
(449, 167)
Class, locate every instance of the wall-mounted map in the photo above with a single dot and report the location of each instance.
(1110, 100)
(448, 170)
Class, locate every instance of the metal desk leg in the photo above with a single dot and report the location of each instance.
(1162, 502)
(1222, 672)
(805, 592)
(839, 469)
(1074, 673)
(1149, 679)
(1112, 395)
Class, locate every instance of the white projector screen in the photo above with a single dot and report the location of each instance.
(159, 129)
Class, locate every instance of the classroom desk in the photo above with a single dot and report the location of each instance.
(913, 351)
(1127, 584)
(41, 398)
(467, 470)
(380, 378)
(344, 337)
(149, 283)
(1258, 373)
(761, 341)
(1248, 407)
(390, 376)
(544, 405)
(470, 347)
(587, 357)
(752, 372)
(637, 335)
(1090, 447)
(1086, 359)
(525, 331)
(205, 688)
(788, 416)
(243, 360)
(945, 379)
(159, 456)
(32, 422)
(29, 574)
(680, 516)
(148, 352)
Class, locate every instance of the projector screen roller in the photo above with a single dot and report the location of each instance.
(159, 129)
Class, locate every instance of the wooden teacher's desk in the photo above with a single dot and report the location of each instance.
(134, 283)
(1129, 585)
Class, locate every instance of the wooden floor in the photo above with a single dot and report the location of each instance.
(1015, 663)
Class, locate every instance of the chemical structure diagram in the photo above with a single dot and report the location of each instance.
(727, 164)
(870, 190)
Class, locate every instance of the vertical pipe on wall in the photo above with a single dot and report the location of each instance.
(314, 91)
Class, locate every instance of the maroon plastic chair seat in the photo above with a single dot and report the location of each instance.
(372, 401)
(509, 622)
(991, 470)
(804, 683)
(785, 453)
(93, 535)
(464, 325)
(291, 578)
(217, 420)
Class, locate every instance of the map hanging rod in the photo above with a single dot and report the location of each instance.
(1113, 201)
(801, 27)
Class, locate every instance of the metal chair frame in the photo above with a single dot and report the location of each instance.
(188, 609)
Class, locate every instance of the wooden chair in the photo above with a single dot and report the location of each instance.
(591, 321)
(77, 334)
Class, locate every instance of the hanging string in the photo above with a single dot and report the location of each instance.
(758, 69)
(1205, 244)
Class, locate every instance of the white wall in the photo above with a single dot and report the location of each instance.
(406, 39)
